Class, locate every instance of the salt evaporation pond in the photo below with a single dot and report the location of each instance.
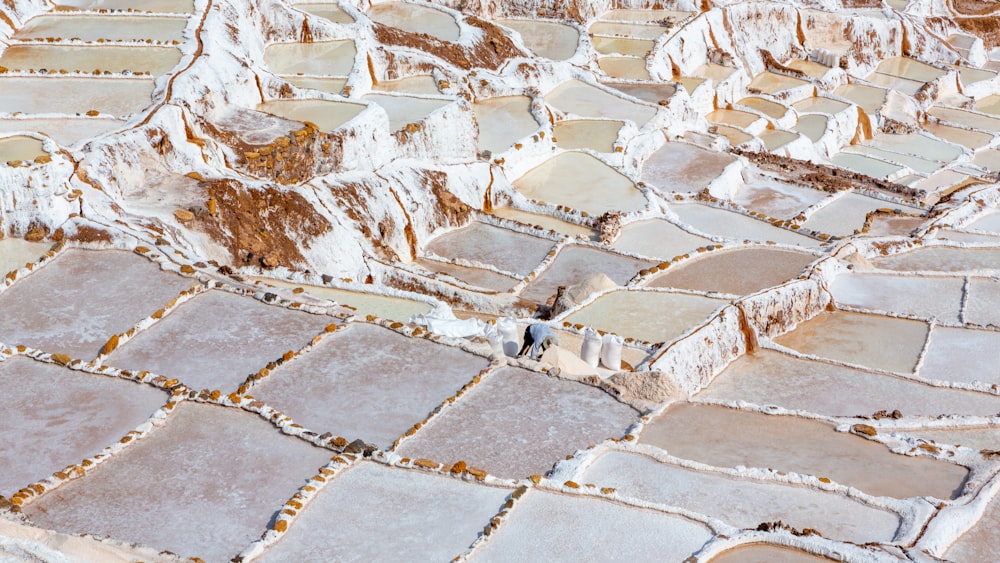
(433, 518)
(981, 542)
(846, 214)
(775, 139)
(622, 45)
(767, 107)
(418, 84)
(737, 272)
(597, 135)
(584, 100)
(54, 417)
(580, 181)
(731, 225)
(77, 320)
(237, 336)
(545, 221)
(962, 355)
(507, 250)
(812, 126)
(767, 377)
(657, 238)
(549, 526)
(742, 119)
(503, 121)
(323, 84)
(777, 199)
(416, 18)
(959, 135)
(74, 95)
(328, 115)
(188, 476)
(627, 29)
(476, 277)
(629, 68)
(332, 12)
(976, 438)
(925, 297)
(164, 6)
(15, 253)
(87, 58)
(651, 316)
(682, 167)
(873, 341)
(741, 503)
(868, 98)
(395, 308)
(549, 39)
(321, 58)
(970, 119)
(773, 83)
(653, 93)
(92, 27)
(820, 104)
(20, 147)
(729, 438)
(517, 423)
(983, 305)
(65, 131)
(941, 259)
(874, 167)
(574, 264)
(403, 110)
(375, 396)
(758, 552)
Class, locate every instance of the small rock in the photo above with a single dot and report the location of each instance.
(183, 215)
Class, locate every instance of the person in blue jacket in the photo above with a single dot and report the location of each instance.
(538, 338)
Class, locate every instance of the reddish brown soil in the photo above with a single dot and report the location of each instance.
(489, 52)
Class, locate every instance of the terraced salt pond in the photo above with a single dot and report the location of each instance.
(87, 58)
(657, 238)
(583, 100)
(725, 437)
(114, 27)
(646, 315)
(481, 243)
(846, 214)
(941, 259)
(416, 18)
(329, 115)
(580, 181)
(20, 147)
(544, 221)
(65, 131)
(777, 199)
(161, 6)
(332, 12)
(575, 264)
(74, 95)
(734, 226)
(395, 308)
(737, 272)
(682, 167)
(15, 253)
(549, 39)
(322, 58)
(902, 295)
(403, 110)
(764, 552)
(503, 121)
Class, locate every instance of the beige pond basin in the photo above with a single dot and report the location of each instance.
(777, 199)
(78, 320)
(918, 145)
(969, 139)
(912, 69)
(652, 15)
(507, 250)
(963, 118)
(193, 472)
(774, 139)
(733, 117)
(767, 107)
(650, 316)
(736, 226)
(926, 297)
(428, 517)
(585, 100)
(582, 182)
(628, 68)
(65, 131)
(162, 6)
(328, 115)
(846, 214)
(653, 93)
(417, 84)
(87, 58)
(74, 95)
(416, 18)
(893, 225)
(236, 336)
(916, 164)
(597, 135)
(767, 377)
(874, 167)
(820, 104)
(989, 104)
(395, 308)
(574, 264)
(861, 339)
(740, 271)
(517, 423)
(812, 126)
(91, 27)
(544, 221)
(735, 136)
(627, 29)
(983, 306)
(476, 277)
(20, 148)
(657, 238)
(403, 110)
(622, 46)
(741, 503)
(962, 355)
(15, 253)
(332, 12)
(941, 259)
(981, 543)
(812, 69)
(869, 98)
(547, 526)
(323, 84)
(977, 438)
(322, 58)
(61, 417)
(503, 121)
(549, 39)
(764, 553)
(729, 438)
(683, 167)
(375, 396)
(773, 83)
